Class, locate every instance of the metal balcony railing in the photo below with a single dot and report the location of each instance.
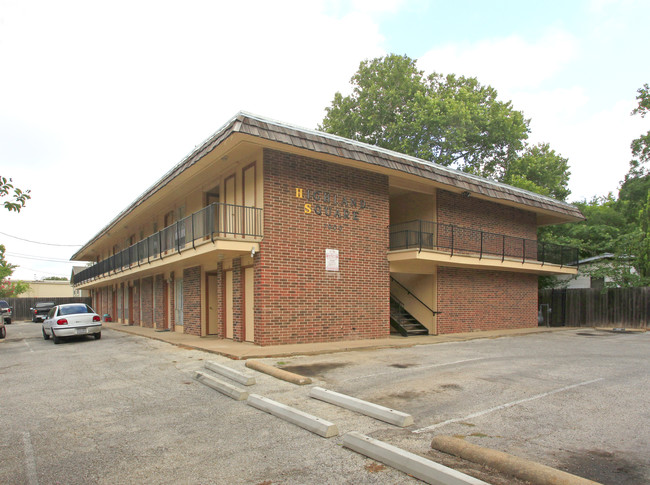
(462, 240)
(214, 221)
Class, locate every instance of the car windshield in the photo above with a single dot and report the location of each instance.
(44, 305)
(3, 304)
(73, 309)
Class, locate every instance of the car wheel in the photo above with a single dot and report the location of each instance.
(3, 332)
(98, 335)
(45, 336)
(56, 339)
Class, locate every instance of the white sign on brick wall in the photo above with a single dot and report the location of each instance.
(331, 260)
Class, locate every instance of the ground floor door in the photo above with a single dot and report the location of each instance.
(129, 305)
(213, 305)
(165, 307)
(178, 302)
(249, 306)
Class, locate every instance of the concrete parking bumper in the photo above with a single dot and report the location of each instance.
(376, 411)
(426, 470)
(311, 423)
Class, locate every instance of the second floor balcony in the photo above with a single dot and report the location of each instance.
(452, 245)
(215, 222)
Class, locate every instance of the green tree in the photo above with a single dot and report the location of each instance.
(596, 235)
(19, 196)
(9, 288)
(451, 120)
(19, 199)
(55, 278)
(641, 146)
(6, 269)
(540, 169)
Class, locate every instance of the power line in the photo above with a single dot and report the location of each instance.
(39, 258)
(43, 272)
(44, 244)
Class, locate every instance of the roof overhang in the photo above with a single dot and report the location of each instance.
(247, 128)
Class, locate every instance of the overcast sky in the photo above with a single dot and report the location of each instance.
(99, 99)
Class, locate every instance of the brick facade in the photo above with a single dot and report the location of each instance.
(311, 206)
(237, 301)
(298, 301)
(192, 301)
(483, 215)
(473, 300)
(220, 300)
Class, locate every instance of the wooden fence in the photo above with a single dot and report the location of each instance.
(587, 307)
(21, 306)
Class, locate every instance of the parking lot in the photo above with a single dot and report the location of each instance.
(125, 409)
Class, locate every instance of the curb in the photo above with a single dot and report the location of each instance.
(535, 473)
(278, 373)
(426, 470)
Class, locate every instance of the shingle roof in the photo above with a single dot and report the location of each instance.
(325, 143)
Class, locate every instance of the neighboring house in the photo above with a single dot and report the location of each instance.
(48, 289)
(592, 273)
(275, 234)
(77, 291)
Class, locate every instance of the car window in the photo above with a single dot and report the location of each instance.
(72, 309)
(51, 313)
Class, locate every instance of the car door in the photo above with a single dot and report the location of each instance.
(47, 323)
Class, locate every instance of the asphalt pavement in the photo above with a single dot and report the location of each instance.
(125, 409)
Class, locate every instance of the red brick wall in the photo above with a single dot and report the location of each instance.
(484, 215)
(192, 301)
(296, 299)
(220, 300)
(473, 300)
(237, 301)
(146, 293)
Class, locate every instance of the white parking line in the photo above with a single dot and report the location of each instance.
(30, 462)
(504, 406)
(415, 368)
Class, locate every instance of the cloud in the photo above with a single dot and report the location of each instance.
(509, 63)
(103, 99)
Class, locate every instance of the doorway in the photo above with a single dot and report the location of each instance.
(178, 302)
(212, 304)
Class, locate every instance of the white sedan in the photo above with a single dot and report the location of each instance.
(71, 319)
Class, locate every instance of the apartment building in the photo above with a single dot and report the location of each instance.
(274, 234)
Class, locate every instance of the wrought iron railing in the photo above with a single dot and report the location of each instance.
(214, 221)
(463, 240)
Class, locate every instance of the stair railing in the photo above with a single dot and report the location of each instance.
(414, 296)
